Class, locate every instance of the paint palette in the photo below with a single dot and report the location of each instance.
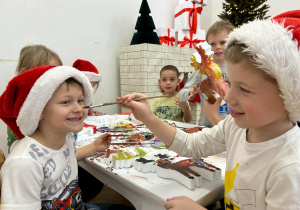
(118, 127)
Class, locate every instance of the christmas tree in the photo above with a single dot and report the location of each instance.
(239, 12)
(145, 27)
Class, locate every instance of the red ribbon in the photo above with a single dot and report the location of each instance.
(92, 126)
(196, 99)
(192, 14)
(199, 2)
(167, 39)
(190, 40)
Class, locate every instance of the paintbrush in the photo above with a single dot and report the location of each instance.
(123, 143)
(117, 135)
(120, 102)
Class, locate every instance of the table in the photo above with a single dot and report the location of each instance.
(147, 191)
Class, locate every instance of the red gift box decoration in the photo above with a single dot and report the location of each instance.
(192, 42)
(192, 16)
(167, 40)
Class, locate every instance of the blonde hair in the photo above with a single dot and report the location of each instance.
(219, 26)
(235, 53)
(35, 55)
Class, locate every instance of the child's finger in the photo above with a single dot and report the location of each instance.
(192, 94)
(219, 101)
(168, 204)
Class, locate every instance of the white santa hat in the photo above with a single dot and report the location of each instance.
(26, 95)
(89, 70)
(273, 44)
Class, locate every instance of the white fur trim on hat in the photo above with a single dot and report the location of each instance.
(93, 77)
(42, 91)
(274, 52)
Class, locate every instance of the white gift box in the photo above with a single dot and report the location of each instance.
(166, 36)
(205, 46)
(203, 2)
(187, 16)
(187, 39)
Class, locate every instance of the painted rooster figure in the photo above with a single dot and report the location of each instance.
(214, 83)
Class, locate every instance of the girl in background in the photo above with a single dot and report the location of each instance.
(32, 56)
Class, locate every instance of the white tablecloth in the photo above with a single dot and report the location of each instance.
(147, 191)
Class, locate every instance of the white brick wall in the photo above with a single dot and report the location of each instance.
(140, 66)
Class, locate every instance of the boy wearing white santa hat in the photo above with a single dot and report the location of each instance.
(261, 137)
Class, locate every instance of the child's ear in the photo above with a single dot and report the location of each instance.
(41, 117)
(159, 81)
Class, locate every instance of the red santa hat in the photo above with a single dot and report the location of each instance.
(274, 46)
(291, 20)
(26, 95)
(89, 70)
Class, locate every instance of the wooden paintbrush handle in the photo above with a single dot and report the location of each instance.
(120, 102)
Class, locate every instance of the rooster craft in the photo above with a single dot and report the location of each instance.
(214, 83)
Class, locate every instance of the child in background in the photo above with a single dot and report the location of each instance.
(210, 114)
(32, 56)
(45, 106)
(170, 107)
(91, 72)
(261, 136)
(36, 55)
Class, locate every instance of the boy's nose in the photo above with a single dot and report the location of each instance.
(77, 107)
(218, 46)
(229, 96)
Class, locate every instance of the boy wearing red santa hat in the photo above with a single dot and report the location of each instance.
(43, 107)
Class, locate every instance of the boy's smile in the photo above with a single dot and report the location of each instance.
(254, 101)
(168, 82)
(235, 114)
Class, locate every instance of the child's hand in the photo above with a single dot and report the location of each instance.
(96, 113)
(182, 203)
(182, 104)
(212, 110)
(102, 142)
(92, 112)
(194, 90)
(140, 109)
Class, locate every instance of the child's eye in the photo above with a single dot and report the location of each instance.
(244, 90)
(212, 44)
(228, 83)
(65, 102)
(80, 101)
(223, 43)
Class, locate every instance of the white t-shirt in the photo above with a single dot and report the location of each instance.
(36, 177)
(258, 175)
